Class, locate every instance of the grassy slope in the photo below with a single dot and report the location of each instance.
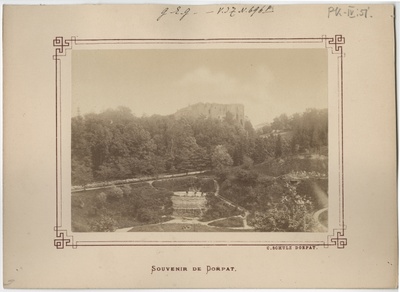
(228, 222)
(177, 227)
(83, 209)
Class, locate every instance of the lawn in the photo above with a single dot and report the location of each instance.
(228, 222)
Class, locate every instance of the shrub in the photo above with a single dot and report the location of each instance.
(207, 185)
(77, 203)
(105, 224)
(100, 200)
(247, 163)
(185, 183)
(115, 194)
(292, 214)
(126, 190)
(246, 177)
(147, 215)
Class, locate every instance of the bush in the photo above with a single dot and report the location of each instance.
(77, 203)
(294, 213)
(316, 190)
(115, 194)
(185, 183)
(246, 177)
(147, 215)
(100, 200)
(126, 190)
(247, 163)
(207, 185)
(105, 224)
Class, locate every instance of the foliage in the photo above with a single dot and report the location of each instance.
(115, 144)
(293, 213)
(251, 166)
(220, 158)
(143, 204)
(246, 177)
(216, 208)
(126, 190)
(82, 173)
(114, 194)
(275, 204)
(105, 224)
(316, 189)
(278, 167)
(100, 200)
(186, 183)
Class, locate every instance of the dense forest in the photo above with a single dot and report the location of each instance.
(115, 144)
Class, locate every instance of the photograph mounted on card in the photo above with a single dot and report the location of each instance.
(204, 146)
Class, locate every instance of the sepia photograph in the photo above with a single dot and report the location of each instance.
(199, 140)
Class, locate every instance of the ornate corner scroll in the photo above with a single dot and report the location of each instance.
(338, 239)
(63, 239)
(336, 43)
(62, 45)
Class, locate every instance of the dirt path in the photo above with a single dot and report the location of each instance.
(135, 181)
(230, 203)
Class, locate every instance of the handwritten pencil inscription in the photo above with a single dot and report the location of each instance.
(181, 12)
(349, 11)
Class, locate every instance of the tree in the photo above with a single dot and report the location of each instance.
(183, 163)
(106, 172)
(247, 162)
(158, 164)
(238, 154)
(81, 174)
(278, 146)
(293, 213)
(246, 177)
(249, 128)
(200, 159)
(260, 151)
(221, 158)
(281, 123)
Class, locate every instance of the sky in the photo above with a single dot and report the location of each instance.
(268, 82)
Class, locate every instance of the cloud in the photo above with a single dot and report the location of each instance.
(229, 86)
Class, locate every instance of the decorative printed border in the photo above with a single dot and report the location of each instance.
(62, 45)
